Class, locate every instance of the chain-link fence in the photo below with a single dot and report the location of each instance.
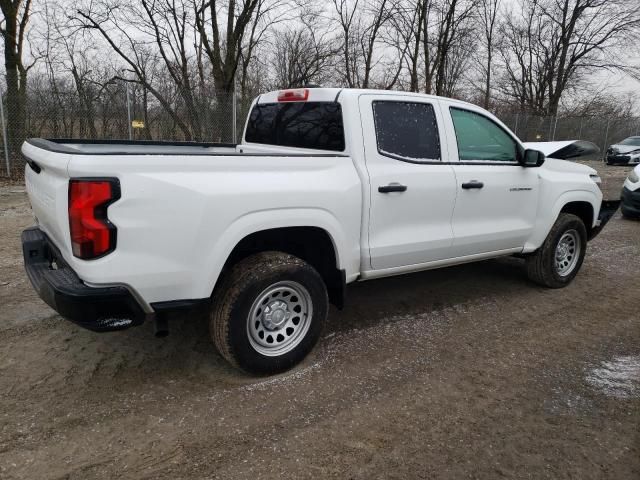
(603, 131)
(120, 114)
(123, 112)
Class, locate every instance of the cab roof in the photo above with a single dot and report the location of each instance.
(332, 94)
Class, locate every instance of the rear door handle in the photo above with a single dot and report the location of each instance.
(472, 184)
(392, 187)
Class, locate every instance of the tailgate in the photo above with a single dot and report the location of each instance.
(47, 183)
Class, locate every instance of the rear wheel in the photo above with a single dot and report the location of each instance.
(268, 313)
(556, 263)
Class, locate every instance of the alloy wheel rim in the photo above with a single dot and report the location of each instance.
(279, 318)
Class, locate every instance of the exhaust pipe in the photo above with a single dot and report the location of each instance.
(161, 326)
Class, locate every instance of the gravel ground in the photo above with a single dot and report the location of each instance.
(466, 372)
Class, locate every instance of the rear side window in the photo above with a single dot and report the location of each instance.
(315, 125)
(480, 138)
(406, 131)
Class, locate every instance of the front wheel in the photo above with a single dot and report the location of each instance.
(556, 263)
(268, 313)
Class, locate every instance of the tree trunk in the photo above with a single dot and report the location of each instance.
(16, 82)
(223, 116)
(487, 86)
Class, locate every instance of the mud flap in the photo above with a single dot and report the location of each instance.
(607, 210)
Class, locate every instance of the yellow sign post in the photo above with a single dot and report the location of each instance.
(137, 124)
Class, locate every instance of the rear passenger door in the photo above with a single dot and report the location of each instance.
(497, 197)
(412, 193)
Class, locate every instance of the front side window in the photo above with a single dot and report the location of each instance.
(314, 125)
(479, 138)
(406, 131)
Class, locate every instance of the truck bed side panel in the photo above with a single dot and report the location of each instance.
(179, 217)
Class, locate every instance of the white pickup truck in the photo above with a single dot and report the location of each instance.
(329, 186)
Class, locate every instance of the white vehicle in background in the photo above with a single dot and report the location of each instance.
(626, 152)
(328, 187)
(630, 205)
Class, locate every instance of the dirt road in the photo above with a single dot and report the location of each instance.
(468, 372)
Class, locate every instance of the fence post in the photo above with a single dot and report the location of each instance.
(580, 131)
(129, 112)
(234, 113)
(515, 129)
(606, 137)
(4, 135)
(555, 125)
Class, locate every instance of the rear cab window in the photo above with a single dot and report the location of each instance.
(310, 125)
(406, 131)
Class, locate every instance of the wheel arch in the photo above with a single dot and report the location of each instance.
(583, 210)
(312, 244)
(313, 235)
(582, 203)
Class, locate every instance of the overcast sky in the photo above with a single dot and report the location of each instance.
(602, 81)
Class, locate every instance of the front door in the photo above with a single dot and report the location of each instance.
(497, 197)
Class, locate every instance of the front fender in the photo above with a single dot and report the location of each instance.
(548, 214)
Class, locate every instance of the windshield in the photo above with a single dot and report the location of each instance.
(314, 125)
(633, 141)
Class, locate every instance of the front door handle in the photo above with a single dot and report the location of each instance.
(472, 184)
(392, 187)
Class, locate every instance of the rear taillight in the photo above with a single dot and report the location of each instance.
(297, 95)
(92, 234)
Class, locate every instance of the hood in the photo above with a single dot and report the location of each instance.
(556, 165)
(565, 149)
(624, 148)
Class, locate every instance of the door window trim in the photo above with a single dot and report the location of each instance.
(398, 157)
(519, 148)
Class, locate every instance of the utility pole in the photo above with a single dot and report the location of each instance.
(4, 135)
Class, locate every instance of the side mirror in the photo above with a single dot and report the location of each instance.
(532, 158)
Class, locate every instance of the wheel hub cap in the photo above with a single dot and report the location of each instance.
(275, 315)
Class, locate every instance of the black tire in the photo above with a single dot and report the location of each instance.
(237, 296)
(541, 266)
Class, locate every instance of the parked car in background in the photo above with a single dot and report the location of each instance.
(626, 152)
(630, 205)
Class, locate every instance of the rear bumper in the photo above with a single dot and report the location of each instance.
(607, 209)
(630, 202)
(100, 309)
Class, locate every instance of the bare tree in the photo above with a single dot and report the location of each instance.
(453, 22)
(488, 16)
(13, 29)
(584, 36)
(551, 45)
(229, 32)
(302, 56)
(361, 24)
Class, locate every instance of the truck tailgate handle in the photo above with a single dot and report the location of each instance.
(472, 184)
(392, 187)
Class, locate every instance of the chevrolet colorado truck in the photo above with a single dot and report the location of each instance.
(328, 187)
